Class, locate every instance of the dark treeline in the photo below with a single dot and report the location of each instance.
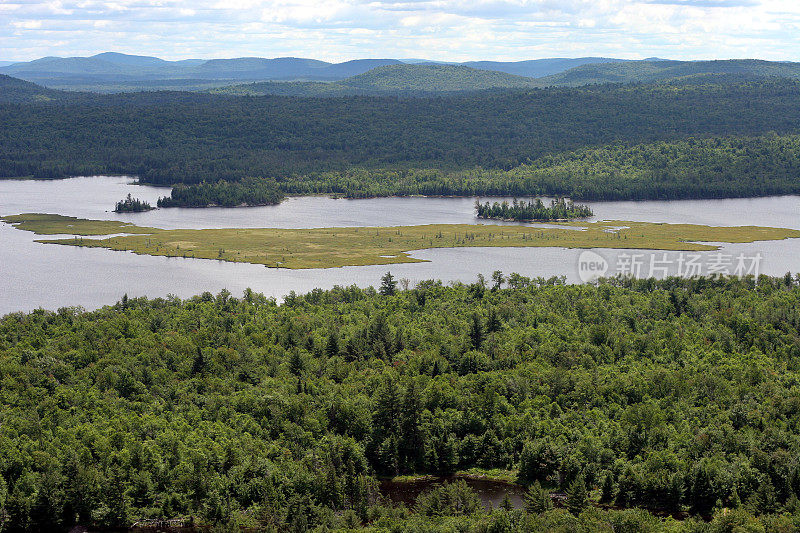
(726, 167)
(168, 138)
(249, 191)
(132, 205)
(559, 209)
(652, 397)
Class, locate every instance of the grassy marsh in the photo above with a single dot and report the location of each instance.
(355, 246)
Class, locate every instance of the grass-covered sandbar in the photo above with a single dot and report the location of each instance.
(357, 246)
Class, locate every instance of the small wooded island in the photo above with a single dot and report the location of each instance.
(132, 205)
(559, 209)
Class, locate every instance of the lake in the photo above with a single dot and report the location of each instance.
(50, 276)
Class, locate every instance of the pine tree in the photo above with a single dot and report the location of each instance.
(792, 504)
(506, 504)
(381, 336)
(412, 439)
(388, 285)
(48, 503)
(493, 323)
(767, 498)
(607, 493)
(386, 426)
(702, 495)
(476, 331)
(199, 364)
(577, 497)
(537, 500)
(448, 458)
(296, 363)
(116, 500)
(332, 488)
(332, 347)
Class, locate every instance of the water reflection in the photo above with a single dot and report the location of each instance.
(491, 492)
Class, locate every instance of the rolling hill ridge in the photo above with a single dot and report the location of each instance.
(652, 71)
(400, 79)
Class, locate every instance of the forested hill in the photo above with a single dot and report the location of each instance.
(401, 79)
(14, 90)
(651, 71)
(186, 137)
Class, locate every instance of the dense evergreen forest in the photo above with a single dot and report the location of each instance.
(168, 138)
(719, 167)
(249, 191)
(638, 399)
(559, 209)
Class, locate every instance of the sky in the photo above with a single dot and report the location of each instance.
(446, 30)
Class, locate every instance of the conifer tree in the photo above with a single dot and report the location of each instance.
(388, 285)
(537, 499)
(607, 492)
(577, 497)
(116, 499)
(476, 331)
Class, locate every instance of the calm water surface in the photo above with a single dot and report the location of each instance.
(491, 492)
(37, 275)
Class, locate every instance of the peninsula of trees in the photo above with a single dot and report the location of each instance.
(559, 209)
(245, 192)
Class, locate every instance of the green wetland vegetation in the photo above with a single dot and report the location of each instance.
(358, 246)
(644, 405)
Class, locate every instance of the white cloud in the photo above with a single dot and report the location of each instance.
(438, 29)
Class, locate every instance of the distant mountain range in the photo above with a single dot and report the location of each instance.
(113, 72)
(110, 71)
